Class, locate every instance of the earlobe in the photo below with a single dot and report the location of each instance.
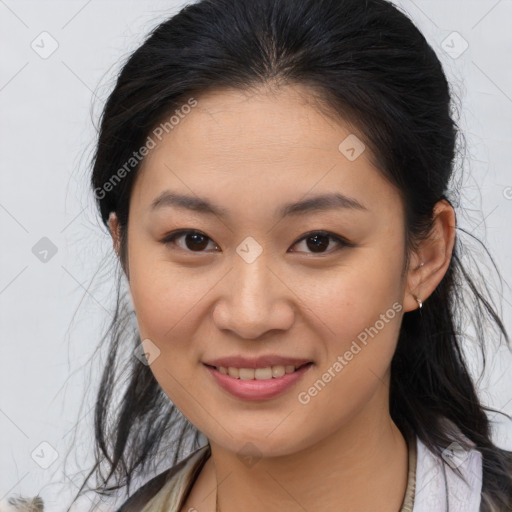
(114, 231)
(412, 298)
(432, 259)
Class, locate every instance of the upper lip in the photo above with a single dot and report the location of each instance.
(256, 362)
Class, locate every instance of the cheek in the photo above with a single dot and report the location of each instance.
(166, 305)
(161, 305)
(347, 300)
(357, 312)
(163, 295)
(359, 327)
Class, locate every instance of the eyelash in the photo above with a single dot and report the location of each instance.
(171, 237)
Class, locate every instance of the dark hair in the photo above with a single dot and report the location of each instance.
(368, 64)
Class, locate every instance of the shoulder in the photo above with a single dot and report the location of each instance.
(22, 504)
(189, 465)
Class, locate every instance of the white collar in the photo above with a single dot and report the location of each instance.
(439, 488)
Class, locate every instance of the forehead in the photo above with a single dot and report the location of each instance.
(247, 145)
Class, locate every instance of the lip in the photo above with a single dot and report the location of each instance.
(256, 362)
(257, 389)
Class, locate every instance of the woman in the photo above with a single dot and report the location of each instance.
(276, 176)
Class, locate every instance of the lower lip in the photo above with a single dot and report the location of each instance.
(257, 389)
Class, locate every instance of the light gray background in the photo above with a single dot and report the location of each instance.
(46, 140)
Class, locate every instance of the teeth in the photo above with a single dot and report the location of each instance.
(266, 373)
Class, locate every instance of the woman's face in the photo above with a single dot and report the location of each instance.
(258, 280)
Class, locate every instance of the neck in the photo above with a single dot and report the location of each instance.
(361, 466)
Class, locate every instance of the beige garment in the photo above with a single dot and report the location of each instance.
(173, 494)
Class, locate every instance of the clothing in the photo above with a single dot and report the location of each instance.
(440, 488)
(175, 484)
(431, 487)
(432, 484)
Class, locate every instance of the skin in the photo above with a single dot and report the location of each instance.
(250, 152)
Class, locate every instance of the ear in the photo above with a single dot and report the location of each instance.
(430, 261)
(113, 224)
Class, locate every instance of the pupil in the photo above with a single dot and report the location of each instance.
(318, 244)
(197, 240)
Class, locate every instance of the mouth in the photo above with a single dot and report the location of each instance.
(258, 383)
(265, 373)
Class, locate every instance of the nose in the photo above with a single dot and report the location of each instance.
(254, 300)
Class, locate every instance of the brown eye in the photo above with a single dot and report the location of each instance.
(194, 241)
(318, 241)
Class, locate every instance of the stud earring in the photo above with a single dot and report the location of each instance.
(420, 303)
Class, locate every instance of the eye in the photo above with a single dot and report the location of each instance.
(195, 241)
(317, 241)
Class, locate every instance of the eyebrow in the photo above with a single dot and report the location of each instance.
(321, 202)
